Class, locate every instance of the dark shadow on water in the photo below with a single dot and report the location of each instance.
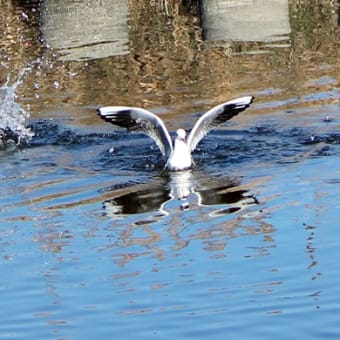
(222, 192)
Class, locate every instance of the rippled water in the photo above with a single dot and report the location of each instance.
(97, 240)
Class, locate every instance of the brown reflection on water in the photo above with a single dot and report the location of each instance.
(169, 64)
(20, 38)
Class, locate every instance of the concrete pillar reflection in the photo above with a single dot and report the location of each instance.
(245, 20)
(87, 29)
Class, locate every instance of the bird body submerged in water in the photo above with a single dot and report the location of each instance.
(177, 153)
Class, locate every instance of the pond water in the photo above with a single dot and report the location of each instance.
(97, 240)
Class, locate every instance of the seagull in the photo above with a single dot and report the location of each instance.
(177, 153)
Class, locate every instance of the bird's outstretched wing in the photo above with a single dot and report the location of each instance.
(137, 119)
(215, 117)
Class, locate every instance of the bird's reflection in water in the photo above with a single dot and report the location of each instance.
(187, 188)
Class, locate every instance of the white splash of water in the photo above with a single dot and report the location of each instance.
(13, 118)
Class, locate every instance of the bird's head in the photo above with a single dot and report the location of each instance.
(181, 134)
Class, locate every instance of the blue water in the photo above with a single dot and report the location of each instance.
(72, 268)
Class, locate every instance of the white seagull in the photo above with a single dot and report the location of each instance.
(177, 153)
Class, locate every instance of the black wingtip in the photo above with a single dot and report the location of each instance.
(252, 99)
(98, 112)
(103, 116)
